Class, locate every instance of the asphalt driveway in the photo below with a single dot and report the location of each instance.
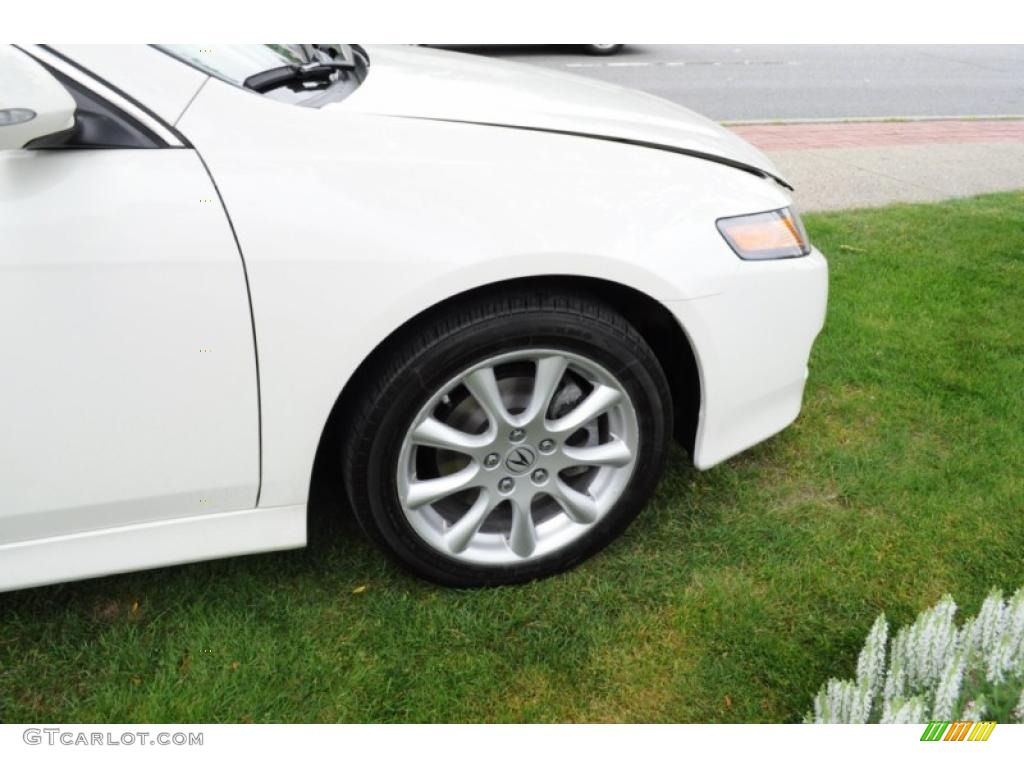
(785, 82)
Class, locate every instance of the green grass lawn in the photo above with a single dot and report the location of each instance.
(733, 597)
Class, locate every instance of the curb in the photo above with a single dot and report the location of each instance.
(841, 120)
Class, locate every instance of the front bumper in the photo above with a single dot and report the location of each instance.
(752, 342)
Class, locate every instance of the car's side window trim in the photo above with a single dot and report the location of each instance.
(130, 110)
(98, 124)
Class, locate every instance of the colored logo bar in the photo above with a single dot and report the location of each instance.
(960, 730)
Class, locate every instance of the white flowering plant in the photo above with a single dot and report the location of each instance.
(935, 670)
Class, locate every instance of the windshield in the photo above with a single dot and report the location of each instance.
(305, 74)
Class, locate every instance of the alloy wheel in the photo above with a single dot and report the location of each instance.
(517, 457)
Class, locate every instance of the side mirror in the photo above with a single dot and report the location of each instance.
(33, 104)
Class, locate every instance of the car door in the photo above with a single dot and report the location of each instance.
(128, 382)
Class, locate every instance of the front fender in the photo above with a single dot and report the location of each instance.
(350, 225)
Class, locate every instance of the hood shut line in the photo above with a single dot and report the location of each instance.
(617, 140)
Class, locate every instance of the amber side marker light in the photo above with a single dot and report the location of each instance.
(763, 236)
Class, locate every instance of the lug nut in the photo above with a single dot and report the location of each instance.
(491, 460)
(546, 446)
(517, 435)
(506, 485)
(540, 476)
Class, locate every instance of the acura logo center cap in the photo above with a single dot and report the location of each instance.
(520, 459)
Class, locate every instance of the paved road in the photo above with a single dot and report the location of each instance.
(769, 82)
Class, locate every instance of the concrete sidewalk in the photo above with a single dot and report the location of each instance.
(855, 165)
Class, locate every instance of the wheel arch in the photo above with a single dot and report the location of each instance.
(659, 328)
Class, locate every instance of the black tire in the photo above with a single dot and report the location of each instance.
(423, 358)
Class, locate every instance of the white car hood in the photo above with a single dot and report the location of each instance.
(438, 85)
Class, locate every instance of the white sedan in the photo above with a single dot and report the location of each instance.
(481, 298)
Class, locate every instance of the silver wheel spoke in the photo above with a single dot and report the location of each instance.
(597, 402)
(613, 454)
(484, 388)
(435, 434)
(580, 507)
(548, 376)
(522, 539)
(459, 535)
(423, 492)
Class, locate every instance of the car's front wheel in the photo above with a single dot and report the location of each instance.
(508, 439)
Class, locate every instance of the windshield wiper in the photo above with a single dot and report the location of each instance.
(314, 71)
